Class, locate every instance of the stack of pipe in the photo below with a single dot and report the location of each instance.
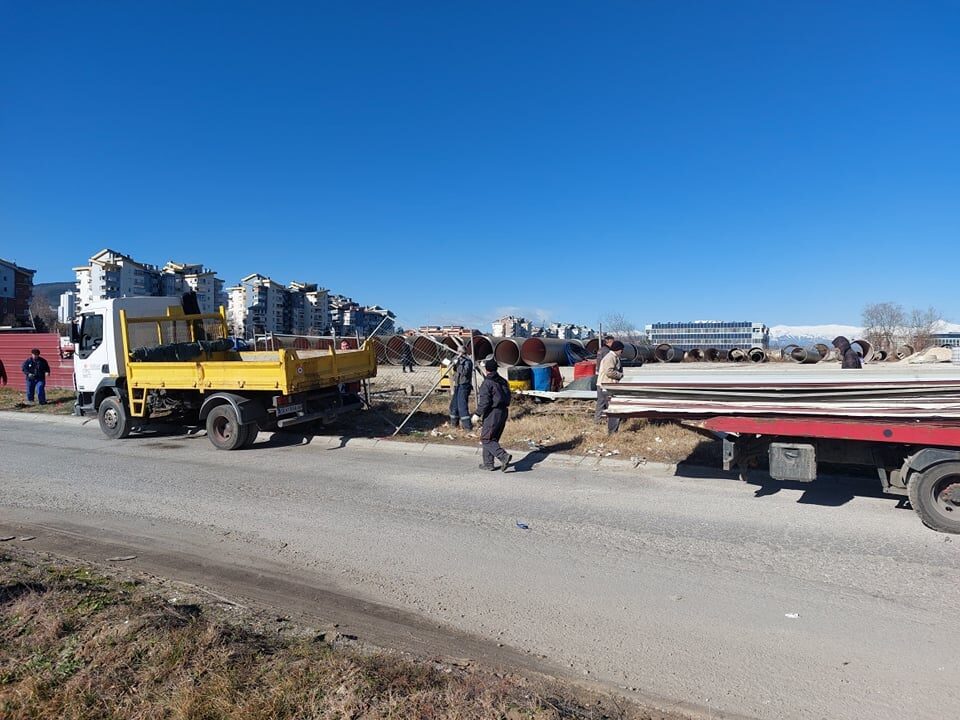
(757, 355)
(507, 351)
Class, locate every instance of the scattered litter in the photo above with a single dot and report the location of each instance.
(25, 538)
(8, 537)
(522, 525)
(637, 460)
(792, 616)
(121, 558)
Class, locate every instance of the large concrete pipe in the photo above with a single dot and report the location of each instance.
(629, 353)
(757, 355)
(736, 355)
(695, 355)
(379, 344)
(805, 356)
(425, 350)
(823, 349)
(507, 351)
(592, 345)
(665, 352)
(711, 355)
(396, 345)
(786, 352)
(480, 347)
(866, 349)
(904, 351)
(540, 351)
(645, 354)
(879, 356)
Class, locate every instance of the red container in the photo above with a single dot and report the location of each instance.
(584, 368)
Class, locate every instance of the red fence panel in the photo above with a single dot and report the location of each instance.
(15, 348)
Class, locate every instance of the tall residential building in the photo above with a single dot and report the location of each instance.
(510, 326)
(308, 309)
(111, 274)
(16, 292)
(67, 310)
(723, 335)
(258, 306)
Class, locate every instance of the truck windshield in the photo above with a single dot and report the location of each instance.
(91, 334)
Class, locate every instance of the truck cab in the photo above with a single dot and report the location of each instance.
(98, 363)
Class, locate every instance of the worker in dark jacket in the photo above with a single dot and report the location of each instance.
(849, 356)
(36, 369)
(3, 374)
(492, 410)
(461, 385)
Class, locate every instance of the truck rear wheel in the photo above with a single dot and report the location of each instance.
(935, 496)
(224, 428)
(251, 430)
(114, 418)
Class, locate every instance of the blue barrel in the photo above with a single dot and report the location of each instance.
(541, 377)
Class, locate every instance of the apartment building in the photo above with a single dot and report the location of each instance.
(510, 326)
(111, 274)
(308, 309)
(257, 306)
(16, 292)
(67, 309)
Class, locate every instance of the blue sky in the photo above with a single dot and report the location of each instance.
(783, 162)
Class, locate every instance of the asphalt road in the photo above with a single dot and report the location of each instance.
(766, 601)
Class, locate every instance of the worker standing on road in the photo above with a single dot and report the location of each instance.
(609, 373)
(492, 409)
(601, 353)
(461, 378)
(36, 369)
(849, 356)
(3, 374)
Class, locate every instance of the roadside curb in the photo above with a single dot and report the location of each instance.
(330, 442)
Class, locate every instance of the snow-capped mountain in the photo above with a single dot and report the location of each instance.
(807, 335)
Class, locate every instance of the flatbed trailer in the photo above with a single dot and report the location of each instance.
(918, 459)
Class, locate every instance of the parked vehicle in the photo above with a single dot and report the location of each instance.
(140, 361)
(920, 460)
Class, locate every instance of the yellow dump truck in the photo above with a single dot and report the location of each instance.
(141, 361)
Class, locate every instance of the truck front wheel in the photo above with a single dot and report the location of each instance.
(935, 496)
(114, 419)
(224, 428)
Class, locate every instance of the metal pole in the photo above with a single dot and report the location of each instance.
(422, 400)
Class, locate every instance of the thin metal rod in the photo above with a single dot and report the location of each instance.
(422, 400)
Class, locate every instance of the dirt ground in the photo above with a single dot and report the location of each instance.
(59, 402)
(81, 641)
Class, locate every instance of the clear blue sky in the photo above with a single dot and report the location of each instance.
(785, 162)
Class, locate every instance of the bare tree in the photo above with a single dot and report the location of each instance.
(923, 323)
(617, 325)
(44, 316)
(882, 323)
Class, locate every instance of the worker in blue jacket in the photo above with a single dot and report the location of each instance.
(493, 402)
(36, 369)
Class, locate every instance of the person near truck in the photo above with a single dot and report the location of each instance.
(461, 385)
(493, 402)
(601, 353)
(406, 357)
(609, 373)
(36, 369)
(3, 374)
(848, 356)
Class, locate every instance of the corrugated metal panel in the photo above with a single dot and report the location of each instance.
(15, 348)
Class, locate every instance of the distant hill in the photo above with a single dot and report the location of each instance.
(52, 291)
(807, 335)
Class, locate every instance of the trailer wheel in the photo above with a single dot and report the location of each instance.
(251, 431)
(935, 496)
(224, 428)
(114, 418)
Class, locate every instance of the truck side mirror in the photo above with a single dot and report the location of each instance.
(74, 332)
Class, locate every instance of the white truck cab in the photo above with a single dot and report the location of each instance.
(98, 359)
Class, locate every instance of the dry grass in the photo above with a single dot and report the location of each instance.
(565, 426)
(75, 644)
(59, 402)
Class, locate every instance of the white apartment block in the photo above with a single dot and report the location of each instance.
(512, 327)
(67, 310)
(110, 274)
(257, 306)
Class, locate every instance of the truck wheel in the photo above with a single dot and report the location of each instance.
(224, 428)
(935, 496)
(251, 430)
(114, 419)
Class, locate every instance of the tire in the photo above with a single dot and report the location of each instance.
(251, 430)
(114, 418)
(224, 428)
(935, 496)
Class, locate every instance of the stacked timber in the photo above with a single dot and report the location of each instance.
(909, 393)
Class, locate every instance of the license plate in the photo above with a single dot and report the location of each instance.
(287, 409)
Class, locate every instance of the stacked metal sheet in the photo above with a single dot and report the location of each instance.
(907, 393)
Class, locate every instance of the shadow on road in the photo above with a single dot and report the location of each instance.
(531, 459)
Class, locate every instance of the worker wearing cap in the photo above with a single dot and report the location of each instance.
(609, 373)
(601, 353)
(492, 409)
